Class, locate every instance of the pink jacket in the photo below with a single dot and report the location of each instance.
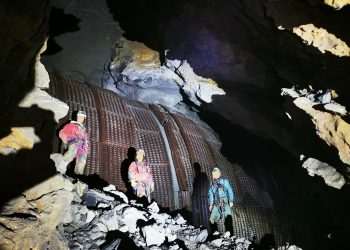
(75, 132)
(140, 173)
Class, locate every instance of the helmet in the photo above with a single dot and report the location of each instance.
(216, 170)
(82, 113)
(141, 151)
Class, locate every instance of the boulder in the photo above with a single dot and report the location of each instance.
(153, 236)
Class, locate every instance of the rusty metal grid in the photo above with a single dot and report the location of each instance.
(179, 152)
(162, 189)
(110, 102)
(251, 192)
(134, 104)
(202, 153)
(152, 144)
(77, 91)
(181, 160)
(143, 119)
(119, 130)
(187, 125)
(93, 164)
(185, 199)
(114, 156)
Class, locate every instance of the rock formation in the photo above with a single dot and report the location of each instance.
(322, 39)
(24, 137)
(329, 122)
(337, 4)
(328, 173)
(139, 74)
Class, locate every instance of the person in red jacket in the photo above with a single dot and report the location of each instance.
(140, 176)
(75, 137)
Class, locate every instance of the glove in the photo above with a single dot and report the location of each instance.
(133, 183)
(231, 204)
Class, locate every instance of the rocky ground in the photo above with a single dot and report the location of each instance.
(64, 213)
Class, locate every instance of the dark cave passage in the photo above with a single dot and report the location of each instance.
(255, 135)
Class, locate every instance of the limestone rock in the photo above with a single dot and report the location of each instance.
(42, 207)
(60, 164)
(111, 189)
(19, 138)
(139, 74)
(327, 172)
(330, 127)
(42, 78)
(153, 236)
(130, 216)
(153, 208)
(110, 219)
(337, 4)
(180, 220)
(55, 183)
(45, 101)
(321, 39)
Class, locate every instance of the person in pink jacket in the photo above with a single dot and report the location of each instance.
(75, 136)
(140, 176)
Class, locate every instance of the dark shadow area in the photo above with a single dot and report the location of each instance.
(200, 212)
(93, 180)
(125, 241)
(124, 168)
(28, 167)
(314, 209)
(267, 242)
(59, 23)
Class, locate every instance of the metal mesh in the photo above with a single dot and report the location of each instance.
(115, 124)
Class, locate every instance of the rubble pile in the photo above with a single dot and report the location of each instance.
(99, 214)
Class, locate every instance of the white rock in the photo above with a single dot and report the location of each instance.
(111, 189)
(45, 101)
(160, 218)
(203, 236)
(42, 78)
(337, 4)
(171, 237)
(124, 229)
(335, 107)
(90, 216)
(153, 236)
(110, 219)
(174, 228)
(130, 217)
(103, 205)
(180, 220)
(327, 172)
(217, 242)
(153, 208)
(322, 39)
(227, 234)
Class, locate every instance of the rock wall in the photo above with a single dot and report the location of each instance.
(322, 40)
(138, 73)
(337, 4)
(29, 220)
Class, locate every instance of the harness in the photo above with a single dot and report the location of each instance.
(217, 199)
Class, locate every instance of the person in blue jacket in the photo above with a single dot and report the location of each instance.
(220, 200)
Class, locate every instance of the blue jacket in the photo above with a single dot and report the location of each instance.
(225, 195)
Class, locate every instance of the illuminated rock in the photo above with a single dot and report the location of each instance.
(322, 40)
(337, 4)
